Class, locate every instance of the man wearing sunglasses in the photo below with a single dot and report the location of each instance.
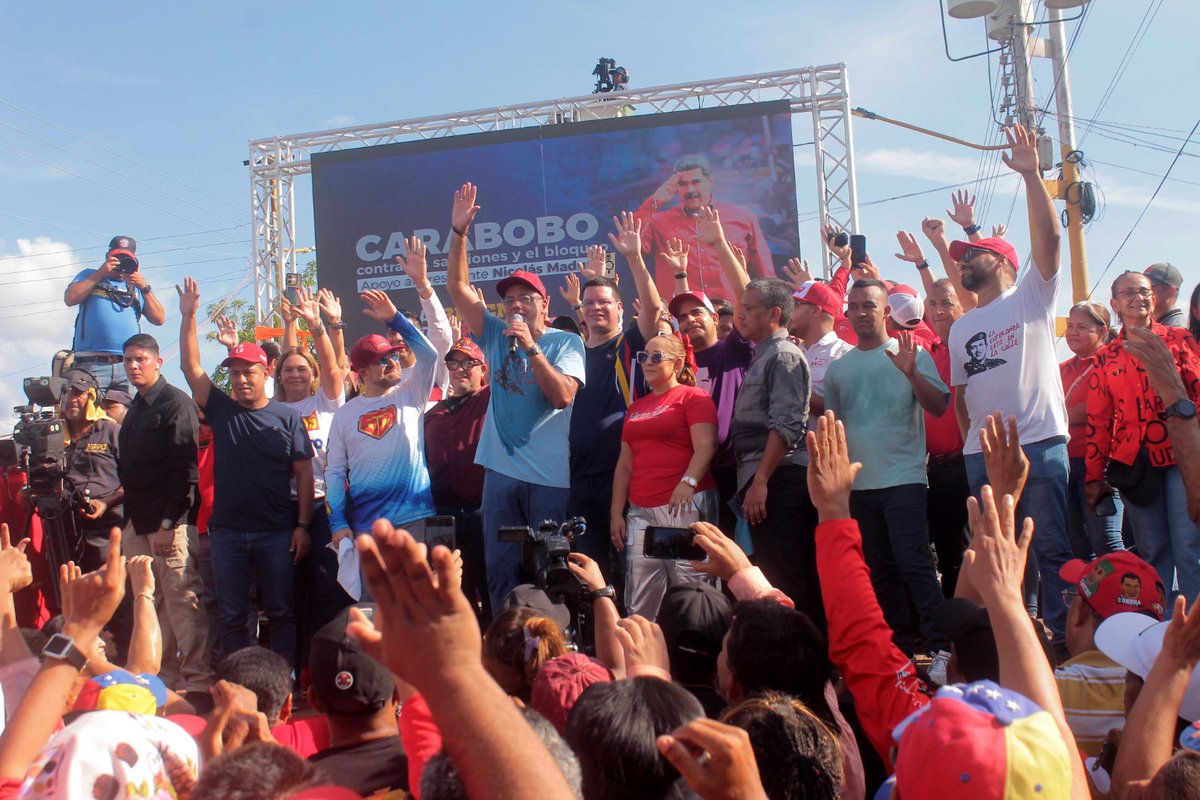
(375, 441)
(1002, 358)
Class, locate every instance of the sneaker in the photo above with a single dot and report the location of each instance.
(937, 667)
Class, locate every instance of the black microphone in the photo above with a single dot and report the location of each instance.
(512, 340)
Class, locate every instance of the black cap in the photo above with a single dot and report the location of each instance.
(694, 618)
(80, 380)
(118, 393)
(526, 595)
(346, 680)
(123, 243)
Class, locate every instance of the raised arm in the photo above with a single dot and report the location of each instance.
(1043, 220)
(628, 242)
(935, 232)
(309, 309)
(435, 315)
(291, 331)
(713, 235)
(964, 214)
(608, 648)
(910, 251)
(145, 643)
(996, 563)
(189, 346)
(331, 310)
(467, 303)
(674, 256)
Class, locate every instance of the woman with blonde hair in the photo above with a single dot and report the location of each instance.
(667, 445)
(1089, 328)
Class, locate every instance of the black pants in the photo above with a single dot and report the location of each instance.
(468, 535)
(946, 507)
(785, 544)
(318, 595)
(727, 490)
(591, 498)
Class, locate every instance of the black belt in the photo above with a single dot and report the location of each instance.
(101, 359)
(946, 459)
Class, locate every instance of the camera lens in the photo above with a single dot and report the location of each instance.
(126, 264)
(842, 239)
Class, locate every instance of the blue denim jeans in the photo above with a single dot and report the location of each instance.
(241, 559)
(508, 501)
(1045, 501)
(1166, 537)
(896, 545)
(1091, 536)
(105, 374)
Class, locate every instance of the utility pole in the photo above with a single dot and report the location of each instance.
(1025, 47)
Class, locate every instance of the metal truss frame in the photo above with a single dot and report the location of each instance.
(823, 92)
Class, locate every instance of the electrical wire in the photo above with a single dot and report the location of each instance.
(1138, 35)
(138, 181)
(45, 278)
(203, 247)
(1145, 208)
(112, 152)
(105, 246)
(1083, 18)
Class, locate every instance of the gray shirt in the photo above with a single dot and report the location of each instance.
(773, 397)
(1175, 318)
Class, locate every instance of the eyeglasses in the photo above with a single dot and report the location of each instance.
(523, 299)
(598, 303)
(466, 363)
(1129, 294)
(653, 358)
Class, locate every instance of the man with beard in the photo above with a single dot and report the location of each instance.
(1002, 358)
(375, 442)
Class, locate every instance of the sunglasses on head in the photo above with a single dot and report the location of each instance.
(653, 358)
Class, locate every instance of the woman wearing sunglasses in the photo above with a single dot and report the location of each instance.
(667, 444)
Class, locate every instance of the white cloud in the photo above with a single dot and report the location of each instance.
(340, 121)
(33, 310)
(923, 164)
(1116, 193)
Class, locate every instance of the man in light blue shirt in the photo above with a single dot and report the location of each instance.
(535, 373)
(880, 390)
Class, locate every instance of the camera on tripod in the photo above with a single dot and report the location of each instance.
(39, 437)
(544, 555)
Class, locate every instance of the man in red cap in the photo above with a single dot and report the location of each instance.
(110, 312)
(816, 311)
(1002, 358)
(452, 430)
(1091, 684)
(535, 373)
(260, 446)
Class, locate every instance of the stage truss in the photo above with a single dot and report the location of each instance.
(822, 92)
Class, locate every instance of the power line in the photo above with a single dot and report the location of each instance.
(116, 154)
(1141, 171)
(114, 172)
(200, 248)
(105, 246)
(1146, 208)
(1138, 35)
(1083, 18)
(155, 267)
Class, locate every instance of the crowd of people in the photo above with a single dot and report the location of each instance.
(935, 561)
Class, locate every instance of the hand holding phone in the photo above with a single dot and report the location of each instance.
(674, 544)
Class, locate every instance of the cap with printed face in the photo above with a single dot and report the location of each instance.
(695, 297)
(522, 276)
(1117, 582)
(248, 352)
(993, 244)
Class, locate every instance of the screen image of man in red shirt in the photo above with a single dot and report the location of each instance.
(692, 183)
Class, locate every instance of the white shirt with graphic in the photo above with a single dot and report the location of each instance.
(1004, 354)
(317, 412)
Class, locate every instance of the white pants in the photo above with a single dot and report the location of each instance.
(647, 579)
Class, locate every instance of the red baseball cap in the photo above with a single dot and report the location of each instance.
(248, 352)
(467, 347)
(369, 349)
(1117, 582)
(695, 297)
(993, 244)
(561, 681)
(820, 295)
(522, 276)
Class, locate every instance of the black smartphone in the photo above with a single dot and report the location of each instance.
(858, 249)
(1106, 506)
(672, 543)
(439, 530)
(291, 282)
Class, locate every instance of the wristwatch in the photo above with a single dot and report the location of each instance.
(1182, 408)
(63, 648)
(533, 351)
(690, 481)
(147, 289)
(305, 525)
(603, 591)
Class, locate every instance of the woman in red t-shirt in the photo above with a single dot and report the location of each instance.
(667, 444)
(1089, 328)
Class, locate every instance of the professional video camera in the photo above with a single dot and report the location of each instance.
(544, 556)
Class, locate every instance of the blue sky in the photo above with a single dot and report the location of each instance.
(166, 96)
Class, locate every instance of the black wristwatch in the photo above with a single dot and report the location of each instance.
(147, 289)
(1182, 408)
(63, 648)
(603, 591)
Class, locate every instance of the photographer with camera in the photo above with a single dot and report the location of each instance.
(110, 313)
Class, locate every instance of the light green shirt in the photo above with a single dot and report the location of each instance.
(885, 425)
